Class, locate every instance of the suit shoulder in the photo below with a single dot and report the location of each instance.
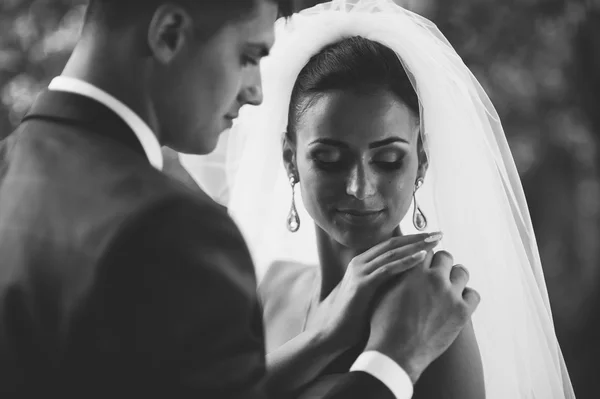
(183, 211)
(185, 233)
(98, 186)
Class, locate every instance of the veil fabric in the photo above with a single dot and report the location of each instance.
(472, 191)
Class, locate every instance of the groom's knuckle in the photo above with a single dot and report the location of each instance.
(360, 286)
(462, 309)
(444, 256)
(471, 298)
(437, 281)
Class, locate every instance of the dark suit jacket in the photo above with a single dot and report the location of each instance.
(115, 280)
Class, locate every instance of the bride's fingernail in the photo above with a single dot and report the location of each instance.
(420, 255)
(434, 237)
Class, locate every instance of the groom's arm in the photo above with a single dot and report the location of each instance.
(182, 289)
(373, 375)
(182, 293)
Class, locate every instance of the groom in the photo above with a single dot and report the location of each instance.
(115, 280)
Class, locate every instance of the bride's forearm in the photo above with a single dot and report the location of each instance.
(299, 361)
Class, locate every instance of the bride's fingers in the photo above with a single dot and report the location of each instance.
(400, 253)
(396, 242)
(397, 267)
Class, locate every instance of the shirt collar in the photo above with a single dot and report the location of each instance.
(140, 128)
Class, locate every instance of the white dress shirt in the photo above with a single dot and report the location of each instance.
(374, 363)
(140, 128)
(387, 371)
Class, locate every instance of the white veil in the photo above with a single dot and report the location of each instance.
(472, 192)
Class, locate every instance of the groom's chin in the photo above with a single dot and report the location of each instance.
(201, 143)
(209, 144)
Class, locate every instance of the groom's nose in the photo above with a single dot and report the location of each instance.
(252, 92)
(253, 95)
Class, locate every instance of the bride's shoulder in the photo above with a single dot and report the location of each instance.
(284, 293)
(285, 278)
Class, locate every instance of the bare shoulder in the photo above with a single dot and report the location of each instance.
(284, 293)
(284, 278)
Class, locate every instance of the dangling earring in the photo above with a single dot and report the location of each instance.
(419, 219)
(293, 220)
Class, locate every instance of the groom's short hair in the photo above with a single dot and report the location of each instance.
(113, 13)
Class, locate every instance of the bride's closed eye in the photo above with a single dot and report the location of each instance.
(389, 159)
(326, 156)
(328, 159)
(335, 160)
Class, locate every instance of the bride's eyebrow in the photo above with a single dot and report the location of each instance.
(377, 144)
(332, 142)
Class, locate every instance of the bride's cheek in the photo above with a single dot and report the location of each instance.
(401, 197)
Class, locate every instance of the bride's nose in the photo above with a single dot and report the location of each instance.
(360, 182)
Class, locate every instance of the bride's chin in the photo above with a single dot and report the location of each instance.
(361, 241)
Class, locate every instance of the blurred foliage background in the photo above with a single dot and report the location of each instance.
(539, 60)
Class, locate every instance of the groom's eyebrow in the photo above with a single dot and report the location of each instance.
(261, 49)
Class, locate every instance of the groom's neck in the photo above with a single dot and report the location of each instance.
(111, 66)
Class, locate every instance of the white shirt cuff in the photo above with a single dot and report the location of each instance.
(387, 371)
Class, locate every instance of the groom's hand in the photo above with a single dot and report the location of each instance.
(417, 319)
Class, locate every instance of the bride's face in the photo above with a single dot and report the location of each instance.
(357, 160)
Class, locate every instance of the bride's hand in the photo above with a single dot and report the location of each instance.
(342, 317)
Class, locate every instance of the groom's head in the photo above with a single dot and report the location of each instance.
(196, 61)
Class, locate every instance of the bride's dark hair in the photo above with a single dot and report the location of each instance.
(352, 63)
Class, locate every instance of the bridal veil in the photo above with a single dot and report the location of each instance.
(472, 191)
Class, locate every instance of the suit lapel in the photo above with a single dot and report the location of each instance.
(84, 112)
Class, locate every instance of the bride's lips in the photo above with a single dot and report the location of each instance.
(359, 216)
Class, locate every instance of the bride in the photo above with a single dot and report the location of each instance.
(385, 132)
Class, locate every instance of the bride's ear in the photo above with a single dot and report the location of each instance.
(423, 159)
(289, 155)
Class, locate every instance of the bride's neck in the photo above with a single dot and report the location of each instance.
(333, 259)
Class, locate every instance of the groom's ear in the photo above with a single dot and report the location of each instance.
(169, 28)
(289, 155)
